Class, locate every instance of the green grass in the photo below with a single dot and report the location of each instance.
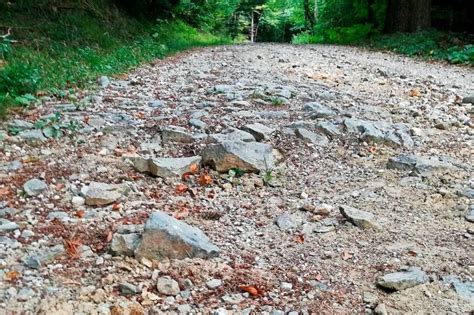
(451, 47)
(62, 52)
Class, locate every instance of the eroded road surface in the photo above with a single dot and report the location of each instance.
(273, 179)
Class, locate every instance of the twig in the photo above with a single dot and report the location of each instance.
(9, 32)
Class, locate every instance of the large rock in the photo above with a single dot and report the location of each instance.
(403, 279)
(125, 244)
(167, 167)
(463, 289)
(311, 137)
(166, 237)
(167, 286)
(362, 219)
(102, 194)
(232, 135)
(317, 110)
(35, 187)
(395, 135)
(259, 131)
(44, 257)
(32, 137)
(8, 226)
(419, 166)
(246, 156)
(176, 134)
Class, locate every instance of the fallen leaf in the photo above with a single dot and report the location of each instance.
(116, 206)
(205, 180)
(60, 186)
(4, 191)
(12, 275)
(185, 177)
(181, 213)
(372, 149)
(299, 238)
(86, 119)
(181, 189)
(109, 237)
(72, 248)
(319, 277)
(139, 115)
(80, 213)
(412, 253)
(414, 93)
(194, 168)
(252, 290)
(346, 255)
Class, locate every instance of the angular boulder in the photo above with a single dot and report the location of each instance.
(102, 194)
(311, 137)
(403, 279)
(317, 110)
(419, 166)
(361, 219)
(246, 156)
(167, 167)
(166, 237)
(176, 134)
(232, 135)
(259, 131)
(35, 187)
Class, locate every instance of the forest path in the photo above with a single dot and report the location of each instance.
(350, 129)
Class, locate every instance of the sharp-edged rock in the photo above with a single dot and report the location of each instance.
(35, 187)
(402, 280)
(259, 131)
(102, 194)
(167, 167)
(362, 219)
(419, 166)
(312, 137)
(167, 286)
(395, 135)
(317, 110)
(166, 237)
(232, 134)
(246, 156)
(46, 256)
(176, 134)
(8, 226)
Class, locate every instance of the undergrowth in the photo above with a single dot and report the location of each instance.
(451, 47)
(53, 52)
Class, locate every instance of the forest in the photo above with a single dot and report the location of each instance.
(69, 42)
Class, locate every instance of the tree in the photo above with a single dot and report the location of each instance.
(408, 15)
(308, 16)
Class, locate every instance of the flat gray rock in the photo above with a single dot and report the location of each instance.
(32, 136)
(463, 289)
(312, 137)
(317, 110)
(419, 166)
(285, 222)
(166, 237)
(328, 128)
(233, 135)
(361, 219)
(44, 257)
(470, 214)
(167, 286)
(395, 135)
(259, 131)
(34, 187)
(176, 134)
(10, 166)
(168, 167)
(102, 194)
(403, 279)
(8, 226)
(125, 244)
(246, 156)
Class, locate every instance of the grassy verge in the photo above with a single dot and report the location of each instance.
(57, 53)
(433, 45)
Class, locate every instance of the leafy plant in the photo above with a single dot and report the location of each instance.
(268, 177)
(277, 102)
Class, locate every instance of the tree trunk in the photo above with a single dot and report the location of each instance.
(316, 12)
(308, 17)
(252, 29)
(408, 15)
(371, 15)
